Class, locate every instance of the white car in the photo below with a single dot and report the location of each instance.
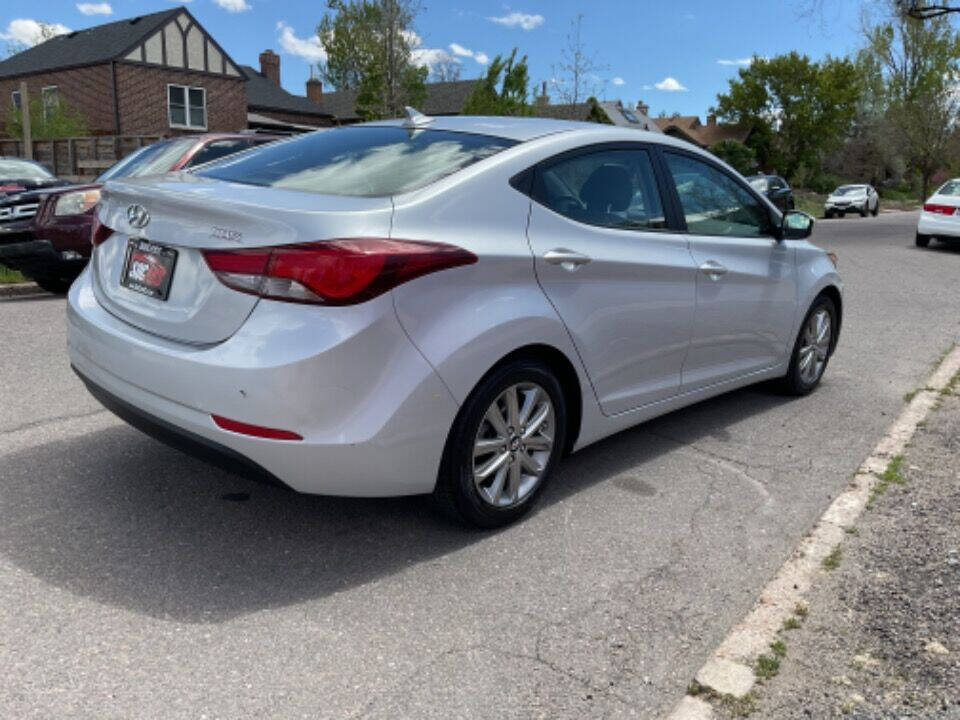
(442, 305)
(862, 199)
(940, 217)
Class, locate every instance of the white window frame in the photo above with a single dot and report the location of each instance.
(15, 99)
(186, 100)
(43, 99)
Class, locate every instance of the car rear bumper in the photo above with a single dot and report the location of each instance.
(938, 225)
(373, 414)
(36, 257)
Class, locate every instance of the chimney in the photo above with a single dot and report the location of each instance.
(711, 120)
(643, 107)
(315, 91)
(270, 66)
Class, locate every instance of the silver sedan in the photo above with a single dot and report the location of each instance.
(442, 306)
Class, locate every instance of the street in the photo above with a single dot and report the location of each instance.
(138, 582)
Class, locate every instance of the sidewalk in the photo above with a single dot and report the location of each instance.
(880, 634)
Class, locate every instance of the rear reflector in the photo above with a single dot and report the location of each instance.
(99, 232)
(254, 430)
(332, 272)
(939, 209)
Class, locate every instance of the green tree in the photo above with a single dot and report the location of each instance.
(55, 121)
(597, 113)
(740, 157)
(503, 90)
(918, 62)
(369, 46)
(800, 110)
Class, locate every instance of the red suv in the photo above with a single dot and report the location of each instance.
(61, 228)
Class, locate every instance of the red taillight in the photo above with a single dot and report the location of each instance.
(254, 430)
(334, 272)
(939, 209)
(99, 232)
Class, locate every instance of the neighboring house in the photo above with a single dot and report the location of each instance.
(158, 74)
(615, 112)
(443, 98)
(269, 105)
(689, 128)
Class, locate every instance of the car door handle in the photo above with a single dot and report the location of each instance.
(567, 259)
(713, 269)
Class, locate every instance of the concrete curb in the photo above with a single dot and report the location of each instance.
(729, 671)
(18, 289)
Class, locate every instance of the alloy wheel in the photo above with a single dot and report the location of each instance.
(815, 348)
(513, 445)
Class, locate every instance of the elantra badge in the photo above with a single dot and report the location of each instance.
(138, 216)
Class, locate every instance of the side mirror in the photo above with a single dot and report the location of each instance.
(796, 225)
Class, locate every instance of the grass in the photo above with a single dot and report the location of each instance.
(779, 648)
(766, 667)
(8, 276)
(791, 623)
(737, 707)
(890, 476)
(832, 561)
(801, 610)
(812, 202)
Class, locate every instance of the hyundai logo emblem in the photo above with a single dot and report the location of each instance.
(138, 216)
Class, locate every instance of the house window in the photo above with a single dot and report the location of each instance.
(187, 106)
(15, 99)
(50, 97)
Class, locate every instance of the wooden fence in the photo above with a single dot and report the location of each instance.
(78, 159)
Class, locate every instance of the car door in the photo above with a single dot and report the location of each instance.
(746, 280)
(622, 281)
(779, 192)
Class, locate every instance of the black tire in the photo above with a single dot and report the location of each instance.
(922, 241)
(456, 495)
(876, 209)
(864, 211)
(827, 215)
(53, 284)
(792, 383)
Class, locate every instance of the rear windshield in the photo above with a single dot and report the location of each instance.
(154, 159)
(951, 187)
(360, 161)
(758, 183)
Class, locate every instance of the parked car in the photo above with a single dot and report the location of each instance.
(940, 217)
(442, 305)
(57, 246)
(852, 198)
(775, 188)
(22, 184)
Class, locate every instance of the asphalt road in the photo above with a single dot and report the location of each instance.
(137, 582)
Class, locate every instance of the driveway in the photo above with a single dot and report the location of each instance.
(137, 582)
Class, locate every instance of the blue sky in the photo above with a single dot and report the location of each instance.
(675, 56)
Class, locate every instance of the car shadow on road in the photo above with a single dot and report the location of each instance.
(119, 518)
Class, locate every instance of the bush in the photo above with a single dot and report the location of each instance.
(740, 157)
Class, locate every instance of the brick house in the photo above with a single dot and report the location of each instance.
(158, 74)
(689, 128)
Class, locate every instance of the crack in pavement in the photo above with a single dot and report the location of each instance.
(33, 424)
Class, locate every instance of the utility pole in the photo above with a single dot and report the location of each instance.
(25, 121)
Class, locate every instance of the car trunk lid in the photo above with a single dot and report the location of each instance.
(183, 215)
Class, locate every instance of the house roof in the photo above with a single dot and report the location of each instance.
(617, 114)
(443, 98)
(92, 46)
(264, 94)
(690, 128)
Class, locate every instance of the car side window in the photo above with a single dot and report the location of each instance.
(714, 203)
(776, 184)
(216, 150)
(609, 188)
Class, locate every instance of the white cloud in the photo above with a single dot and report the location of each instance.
(29, 32)
(308, 48)
(618, 81)
(518, 19)
(234, 5)
(741, 61)
(425, 57)
(670, 84)
(460, 50)
(95, 8)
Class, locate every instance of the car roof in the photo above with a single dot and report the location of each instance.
(520, 129)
